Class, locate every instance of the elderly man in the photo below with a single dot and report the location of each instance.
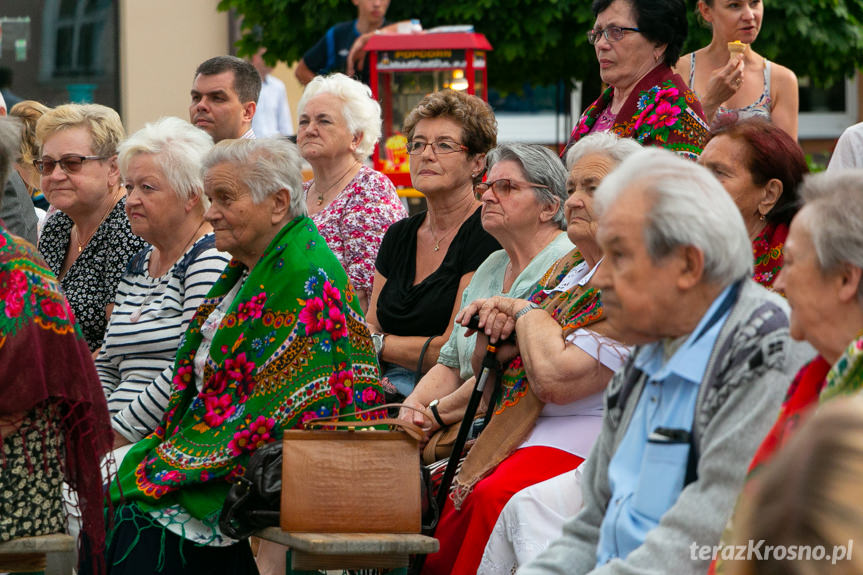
(224, 97)
(688, 409)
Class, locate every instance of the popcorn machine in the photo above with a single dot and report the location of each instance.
(406, 67)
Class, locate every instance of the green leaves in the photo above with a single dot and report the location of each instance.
(543, 41)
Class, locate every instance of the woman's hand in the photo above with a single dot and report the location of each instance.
(505, 353)
(496, 316)
(416, 417)
(723, 85)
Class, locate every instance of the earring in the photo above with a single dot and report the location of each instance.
(763, 217)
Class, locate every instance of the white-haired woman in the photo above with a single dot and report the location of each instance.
(351, 204)
(163, 285)
(279, 339)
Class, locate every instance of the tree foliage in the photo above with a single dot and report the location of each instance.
(543, 41)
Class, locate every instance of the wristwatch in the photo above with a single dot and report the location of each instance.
(378, 341)
(529, 307)
(433, 408)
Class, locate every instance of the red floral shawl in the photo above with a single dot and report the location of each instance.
(44, 358)
(661, 111)
(767, 251)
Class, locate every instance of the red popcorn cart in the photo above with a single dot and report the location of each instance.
(406, 67)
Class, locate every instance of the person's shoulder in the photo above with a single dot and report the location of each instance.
(373, 181)
(782, 77)
(684, 66)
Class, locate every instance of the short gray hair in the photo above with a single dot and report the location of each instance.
(265, 166)
(178, 148)
(689, 208)
(540, 166)
(361, 112)
(605, 143)
(10, 144)
(835, 202)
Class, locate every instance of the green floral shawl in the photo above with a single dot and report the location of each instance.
(292, 346)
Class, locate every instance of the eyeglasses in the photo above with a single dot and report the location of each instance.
(612, 34)
(417, 147)
(69, 164)
(502, 187)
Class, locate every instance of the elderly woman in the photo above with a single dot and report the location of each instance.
(809, 500)
(761, 166)
(54, 425)
(352, 205)
(550, 407)
(280, 339)
(88, 242)
(636, 43)
(163, 284)
(523, 210)
(823, 281)
(426, 261)
(29, 112)
(731, 79)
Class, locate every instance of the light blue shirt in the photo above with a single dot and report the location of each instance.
(647, 472)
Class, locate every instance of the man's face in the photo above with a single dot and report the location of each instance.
(638, 294)
(217, 109)
(372, 10)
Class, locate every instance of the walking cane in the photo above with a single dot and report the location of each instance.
(489, 363)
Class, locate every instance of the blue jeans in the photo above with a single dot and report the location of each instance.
(402, 378)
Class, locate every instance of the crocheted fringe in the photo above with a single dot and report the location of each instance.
(460, 492)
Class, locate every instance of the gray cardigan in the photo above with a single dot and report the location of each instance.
(747, 376)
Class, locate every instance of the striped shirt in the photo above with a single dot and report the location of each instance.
(135, 363)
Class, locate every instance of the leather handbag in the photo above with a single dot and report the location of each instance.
(338, 477)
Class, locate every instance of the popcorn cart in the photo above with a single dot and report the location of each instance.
(406, 67)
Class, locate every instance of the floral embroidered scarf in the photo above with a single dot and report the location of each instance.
(814, 384)
(293, 345)
(518, 408)
(767, 251)
(661, 111)
(44, 359)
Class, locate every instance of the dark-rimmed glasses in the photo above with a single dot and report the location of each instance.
(417, 147)
(502, 187)
(70, 164)
(612, 34)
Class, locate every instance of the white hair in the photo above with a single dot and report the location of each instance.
(834, 201)
(178, 148)
(265, 166)
(360, 111)
(605, 143)
(689, 207)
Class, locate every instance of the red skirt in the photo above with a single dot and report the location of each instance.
(464, 534)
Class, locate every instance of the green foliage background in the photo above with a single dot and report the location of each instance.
(543, 41)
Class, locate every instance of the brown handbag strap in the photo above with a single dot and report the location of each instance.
(333, 421)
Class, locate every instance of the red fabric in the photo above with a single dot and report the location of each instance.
(464, 534)
(45, 359)
(767, 252)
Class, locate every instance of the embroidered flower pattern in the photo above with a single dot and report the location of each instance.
(218, 409)
(312, 316)
(251, 309)
(183, 377)
(341, 385)
(13, 286)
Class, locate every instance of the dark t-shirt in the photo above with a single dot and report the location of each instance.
(330, 54)
(425, 309)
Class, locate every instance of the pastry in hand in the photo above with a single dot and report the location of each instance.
(737, 47)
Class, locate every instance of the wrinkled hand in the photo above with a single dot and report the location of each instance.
(724, 82)
(495, 316)
(416, 417)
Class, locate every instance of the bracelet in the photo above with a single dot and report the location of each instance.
(529, 307)
(433, 408)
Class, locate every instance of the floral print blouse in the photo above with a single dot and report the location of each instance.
(91, 282)
(355, 222)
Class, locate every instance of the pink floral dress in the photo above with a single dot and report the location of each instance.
(355, 222)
